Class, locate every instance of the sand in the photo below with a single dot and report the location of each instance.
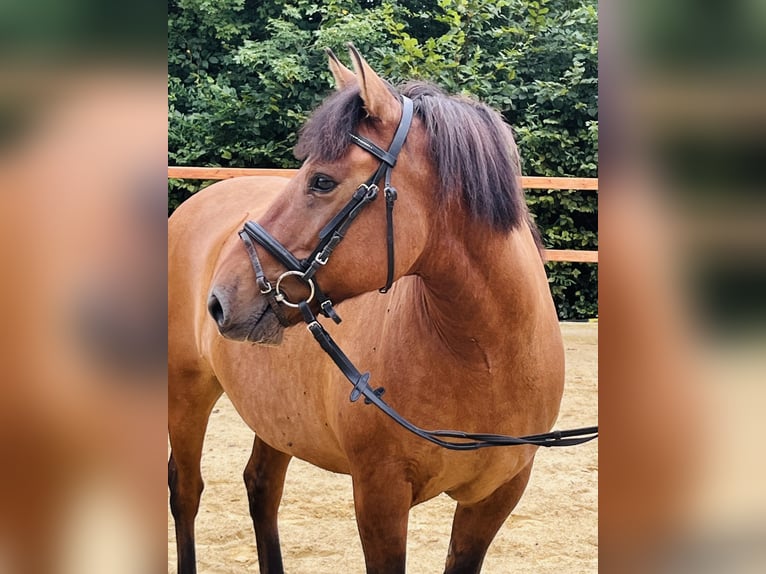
(553, 529)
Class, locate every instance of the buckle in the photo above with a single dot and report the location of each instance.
(319, 259)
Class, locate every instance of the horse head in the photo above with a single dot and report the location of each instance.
(322, 194)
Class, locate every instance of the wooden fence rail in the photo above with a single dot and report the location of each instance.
(561, 183)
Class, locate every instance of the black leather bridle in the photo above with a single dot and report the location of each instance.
(305, 269)
(334, 232)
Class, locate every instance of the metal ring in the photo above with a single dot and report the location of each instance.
(282, 296)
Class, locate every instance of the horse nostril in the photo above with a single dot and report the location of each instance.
(216, 310)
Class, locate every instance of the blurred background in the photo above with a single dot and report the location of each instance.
(682, 277)
(83, 127)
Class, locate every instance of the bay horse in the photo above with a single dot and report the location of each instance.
(466, 337)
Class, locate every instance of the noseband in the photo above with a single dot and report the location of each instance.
(305, 269)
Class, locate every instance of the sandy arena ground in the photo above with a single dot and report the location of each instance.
(552, 531)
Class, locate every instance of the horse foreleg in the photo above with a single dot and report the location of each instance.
(382, 503)
(265, 479)
(189, 404)
(475, 525)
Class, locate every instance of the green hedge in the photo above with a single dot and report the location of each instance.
(244, 75)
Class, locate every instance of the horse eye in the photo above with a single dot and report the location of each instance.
(322, 184)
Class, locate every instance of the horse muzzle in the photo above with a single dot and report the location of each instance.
(257, 324)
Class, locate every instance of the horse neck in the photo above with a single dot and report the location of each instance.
(481, 288)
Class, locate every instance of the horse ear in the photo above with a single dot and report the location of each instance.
(378, 100)
(343, 76)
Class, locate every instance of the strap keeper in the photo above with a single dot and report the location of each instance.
(264, 286)
(360, 385)
(314, 327)
(329, 311)
(377, 392)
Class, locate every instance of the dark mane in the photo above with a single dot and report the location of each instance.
(470, 144)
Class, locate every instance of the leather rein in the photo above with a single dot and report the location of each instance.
(304, 270)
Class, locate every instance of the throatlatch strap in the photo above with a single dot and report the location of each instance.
(390, 193)
(388, 160)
